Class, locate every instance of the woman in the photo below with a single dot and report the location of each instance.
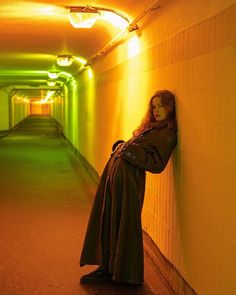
(114, 235)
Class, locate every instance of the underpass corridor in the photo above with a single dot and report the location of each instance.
(46, 195)
(76, 77)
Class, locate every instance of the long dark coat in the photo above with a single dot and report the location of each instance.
(114, 232)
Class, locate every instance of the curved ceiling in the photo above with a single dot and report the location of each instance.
(34, 32)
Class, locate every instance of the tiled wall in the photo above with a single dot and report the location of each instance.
(19, 110)
(189, 210)
(4, 110)
(13, 111)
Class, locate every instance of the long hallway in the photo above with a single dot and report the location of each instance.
(46, 196)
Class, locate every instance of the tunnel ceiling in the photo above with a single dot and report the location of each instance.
(34, 32)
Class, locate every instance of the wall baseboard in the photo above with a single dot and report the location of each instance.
(4, 133)
(86, 165)
(170, 274)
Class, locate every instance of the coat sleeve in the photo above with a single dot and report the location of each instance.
(152, 157)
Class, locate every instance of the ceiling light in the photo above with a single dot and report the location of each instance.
(83, 17)
(53, 75)
(51, 83)
(64, 60)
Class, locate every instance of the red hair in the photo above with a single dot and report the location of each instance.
(168, 100)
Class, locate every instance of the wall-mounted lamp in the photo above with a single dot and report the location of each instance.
(83, 17)
(64, 60)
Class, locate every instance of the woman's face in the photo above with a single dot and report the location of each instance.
(158, 109)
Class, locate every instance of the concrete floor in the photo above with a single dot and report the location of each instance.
(45, 200)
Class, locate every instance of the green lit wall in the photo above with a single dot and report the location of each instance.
(4, 110)
(13, 109)
(65, 110)
(70, 112)
(57, 109)
(20, 109)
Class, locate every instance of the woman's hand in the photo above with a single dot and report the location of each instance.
(117, 144)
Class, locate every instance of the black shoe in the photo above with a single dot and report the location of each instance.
(96, 276)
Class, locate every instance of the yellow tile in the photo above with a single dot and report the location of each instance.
(227, 283)
(212, 33)
(232, 24)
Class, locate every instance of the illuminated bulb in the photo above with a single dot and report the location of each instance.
(83, 17)
(64, 60)
(53, 75)
(51, 83)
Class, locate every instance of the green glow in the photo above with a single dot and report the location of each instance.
(87, 115)
(51, 83)
(53, 75)
(23, 73)
(65, 74)
(20, 108)
(74, 112)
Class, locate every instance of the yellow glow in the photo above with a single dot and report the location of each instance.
(90, 111)
(136, 88)
(21, 99)
(83, 20)
(36, 102)
(81, 60)
(90, 73)
(133, 47)
(53, 75)
(19, 9)
(51, 83)
(114, 19)
(49, 10)
(64, 60)
(65, 74)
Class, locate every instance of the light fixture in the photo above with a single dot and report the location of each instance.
(83, 17)
(53, 75)
(51, 83)
(64, 60)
